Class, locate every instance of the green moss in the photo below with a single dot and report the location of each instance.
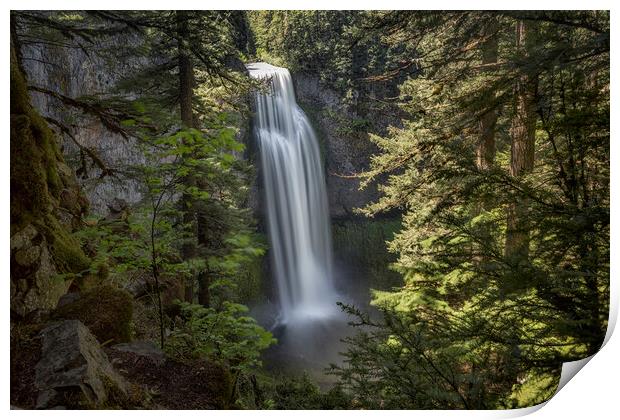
(66, 250)
(106, 310)
(103, 271)
(34, 155)
(134, 398)
(29, 190)
(36, 183)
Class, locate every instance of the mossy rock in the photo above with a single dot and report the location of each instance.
(35, 156)
(67, 253)
(107, 311)
(46, 200)
(220, 384)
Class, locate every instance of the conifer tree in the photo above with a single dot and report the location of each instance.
(478, 310)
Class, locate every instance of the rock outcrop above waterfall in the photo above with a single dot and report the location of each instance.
(343, 135)
(341, 131)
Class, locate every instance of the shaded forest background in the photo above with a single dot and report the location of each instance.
(485, 136)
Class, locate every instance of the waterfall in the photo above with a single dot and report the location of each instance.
(296, 199)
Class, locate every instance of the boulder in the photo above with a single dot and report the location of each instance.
(23, 238)
(68, 299)
(74, 371)
(35, 283)
(106, 310)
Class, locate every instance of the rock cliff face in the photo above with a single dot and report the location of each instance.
(73, 73)
(344, 143)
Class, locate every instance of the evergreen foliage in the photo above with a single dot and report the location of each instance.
(478, 320)
(338, 46)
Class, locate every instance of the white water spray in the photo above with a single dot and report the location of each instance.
(296, 200)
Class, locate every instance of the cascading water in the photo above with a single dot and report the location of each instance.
(296, 200)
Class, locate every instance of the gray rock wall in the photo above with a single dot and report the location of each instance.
(73, 73)
(344, 143)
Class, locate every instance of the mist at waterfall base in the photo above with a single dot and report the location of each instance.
(306, 319)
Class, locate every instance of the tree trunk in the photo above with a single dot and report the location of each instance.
(485, 152)
(485, 149)
(186, 91)
(522, 133)
(204, 294)
(186, 79)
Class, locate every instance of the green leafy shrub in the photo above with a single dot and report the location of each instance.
(301, 393)
(225, 335)
(284, 391)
